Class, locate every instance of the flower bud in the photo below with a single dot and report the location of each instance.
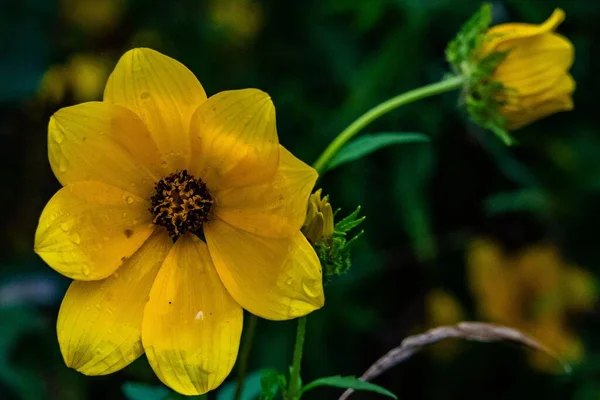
(318, 225)
(534, 72)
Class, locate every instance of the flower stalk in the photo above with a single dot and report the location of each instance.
(445, 85)
(295, 387)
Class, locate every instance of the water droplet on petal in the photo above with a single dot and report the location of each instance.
(62, 164)
(64, 227)
(75, 238)
(130, 200)
(310, 289)
(124, 215)
(98, 306)
(58, 136)
(85, 270)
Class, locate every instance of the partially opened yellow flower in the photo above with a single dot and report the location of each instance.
(147, 174)
(535, 71)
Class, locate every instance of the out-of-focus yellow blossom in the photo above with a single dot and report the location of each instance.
(177, 211)
(533, 291)
(83, 76)
(318, 225)
(535, 72)
(442, 308)
(93, 16)
(241, 19)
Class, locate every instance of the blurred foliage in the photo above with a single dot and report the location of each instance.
(324, 62)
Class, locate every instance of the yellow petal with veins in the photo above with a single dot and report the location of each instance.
(103, 142)
(88, 229)
(234, 139)
(274, 278)
(192, 327)
(164, 93)
(276, 208)
(100, 323)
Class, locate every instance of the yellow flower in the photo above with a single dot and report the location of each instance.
(534, 291)
(535, 70)
(147, 174)
(318, 225)
(442, 308)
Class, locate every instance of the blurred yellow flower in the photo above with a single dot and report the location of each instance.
(147, 174)
(83, 76)
(93, 16)
(533, 291)
(241, 19)
(442, 308)
(318, 225)
(535, 71)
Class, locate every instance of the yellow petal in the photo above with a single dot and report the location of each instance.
(276, 208)
(273, 278)
(88, 228)
(536, 64)
(235, 139)
(103, 142)
(164, 93)
(192, 327)
(532, 108)
(100, 323)
(502, 33)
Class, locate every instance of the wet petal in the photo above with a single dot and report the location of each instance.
(192, 327)
(88, 228)
(164, 93)
(273, 278)
(276, 208)
(100, 323)
(534, 65)
(105, 143)
(502, 33)
(235, 139)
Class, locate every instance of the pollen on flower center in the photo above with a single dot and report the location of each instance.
(181, 204)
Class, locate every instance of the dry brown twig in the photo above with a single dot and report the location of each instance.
(475, 331)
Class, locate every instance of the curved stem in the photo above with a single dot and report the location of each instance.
(445, 85)
(245, 356)
(295, 387)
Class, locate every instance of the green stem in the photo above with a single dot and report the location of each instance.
(245, 356)
(446, 85)
(295, 388)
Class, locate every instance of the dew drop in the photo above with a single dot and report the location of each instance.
(62, 164)
(85, 269)
(130, 200)
(98, 306)
(115, 275)
(58, 136)
(309, 290)
(124, 215)
(64, 227)
(75, 238)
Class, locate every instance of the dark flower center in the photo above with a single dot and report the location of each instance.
(181, 204)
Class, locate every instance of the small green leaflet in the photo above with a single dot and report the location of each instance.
(348, 382)
(367, 144)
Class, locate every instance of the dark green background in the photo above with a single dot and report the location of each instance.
(324, 62)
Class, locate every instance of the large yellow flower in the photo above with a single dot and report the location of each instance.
(147, 174)
(535, 71)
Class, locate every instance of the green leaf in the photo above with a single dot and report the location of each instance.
(367, 144)
(142, 391)
(271, 382)
(348, 382)
(251, 390)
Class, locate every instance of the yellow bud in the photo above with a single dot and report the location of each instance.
(535, 71)
(318, 225)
